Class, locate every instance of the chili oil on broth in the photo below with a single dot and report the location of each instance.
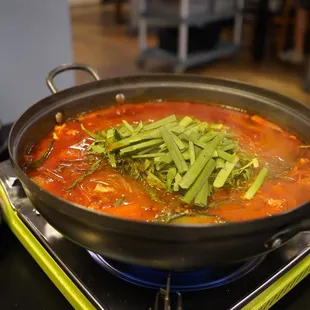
(287, 186)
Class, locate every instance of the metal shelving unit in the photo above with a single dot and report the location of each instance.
(183, 14)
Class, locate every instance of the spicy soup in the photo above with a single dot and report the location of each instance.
(174, 163)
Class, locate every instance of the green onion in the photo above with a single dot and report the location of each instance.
(215, 154)
(225, 172)
(123, 132)
(201, 200)
(139, 146)
(186, 155)
(195, 141)
(110, 136)
(161, 122)
(177, 129)
(119, 201)
(128, 126)
(208, 137)
(91, 170)
(200, 162)
(177, 180)
(192, 156)
(226, 156)
(200, 181)
(255, 162)
(139, 127)
(256, 184)
(174, 150)
(178, 142)
(125, 142)
(112, 160)
(150, 134)
(149, 150)
(96, 148)
(219, 163)
(38, 162)
(186, 121)
(91, 134)
(228, 147)
(149, 155)
(167, 158)
(170, 177)
(153, 180)
(216, 126)
(181, 155)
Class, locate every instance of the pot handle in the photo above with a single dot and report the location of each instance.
(287, 233)
(66, 67)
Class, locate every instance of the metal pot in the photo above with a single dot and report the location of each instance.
(163, 246)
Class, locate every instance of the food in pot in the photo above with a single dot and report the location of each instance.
(173, 162)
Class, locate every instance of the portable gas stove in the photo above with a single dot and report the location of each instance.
(89, 281)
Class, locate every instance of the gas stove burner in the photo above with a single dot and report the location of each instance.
(183, 281)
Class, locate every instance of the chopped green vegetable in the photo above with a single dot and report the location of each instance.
(201, 200)
(200, 162)
(149, 155)
(208, 136)
(174, 150)
(226, 156)
(225, 172)
(125, 142)
(177, 180)
(167, 218)
(220, 163)
(161, 122)
(139, 127)
(96, 148)
(177, 129)
(186, 121)
(119, 201)
(91, 134)
(187, 156)
(128, 126)
(230, 146)
(255, 162)
(256, 184)
(215, 154)
(110, 136)
(112, 160)
(178, 142)
(91, 170)
(170, 177)
(139, 146)
(200, 181)
(123, 132)
(153, 180)
(39, 162)
(194, 140)
(192, 155)
(216, 126)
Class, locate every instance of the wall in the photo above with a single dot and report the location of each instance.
(35, 37)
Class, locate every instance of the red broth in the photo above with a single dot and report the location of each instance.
(288, 185)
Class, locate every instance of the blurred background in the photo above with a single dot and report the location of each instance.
(255, 41)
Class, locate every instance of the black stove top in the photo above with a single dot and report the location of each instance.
(4, 134)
